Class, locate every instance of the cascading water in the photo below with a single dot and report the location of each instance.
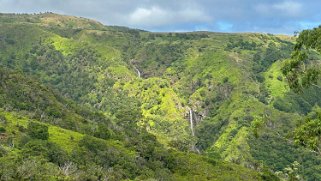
(138, 72)
(192, 129)
(191, 121)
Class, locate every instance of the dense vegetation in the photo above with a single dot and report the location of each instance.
(83, 101)
(303, 72)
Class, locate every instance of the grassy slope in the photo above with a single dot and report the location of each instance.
(191, 166)
(275, 81)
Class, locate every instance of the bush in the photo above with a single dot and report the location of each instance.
(54, 112)
(3, 151)
(50, 151)
(280, 78)
(102, 132)
(38, 131)
(3, 119)
(2, 130)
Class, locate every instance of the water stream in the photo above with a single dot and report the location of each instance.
(192, 129)
(138, 72)
(191, 121)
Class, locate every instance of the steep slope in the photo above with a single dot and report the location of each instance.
(44, 136)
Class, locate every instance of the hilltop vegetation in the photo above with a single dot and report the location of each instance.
(85, 101)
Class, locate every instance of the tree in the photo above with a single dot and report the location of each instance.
(303, 70)
(291, 173)
(38, 131)
(309, 133)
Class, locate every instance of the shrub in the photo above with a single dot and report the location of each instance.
(3, 119)
(280, 78)
(38, 131)
(2, 130)
(51, 151)
(3, 151)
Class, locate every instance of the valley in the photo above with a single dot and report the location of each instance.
(84, 101)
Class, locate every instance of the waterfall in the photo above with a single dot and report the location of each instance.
(138, 72)
(191, 121)
(196, 149)
(192, 129)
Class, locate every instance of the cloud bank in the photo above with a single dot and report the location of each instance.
(273, 16)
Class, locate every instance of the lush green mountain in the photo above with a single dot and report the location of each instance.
(85, 101)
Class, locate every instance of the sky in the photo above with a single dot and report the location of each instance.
(267, 16)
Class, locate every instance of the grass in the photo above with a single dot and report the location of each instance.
(275, 81)
(64, 45)
(162, 108)
(66, 139)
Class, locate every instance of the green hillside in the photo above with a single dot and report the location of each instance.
(84, 101)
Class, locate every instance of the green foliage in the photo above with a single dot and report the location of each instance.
(155, 57)
(263, 59)
(303, 70)
(241, 44)
(308, 133)
(2, 130)
(291, 172)
(38, 131)
(12, 168)
(267, 148)
(45, 149)
(206, 130)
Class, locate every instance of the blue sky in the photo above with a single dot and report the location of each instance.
(269, 16)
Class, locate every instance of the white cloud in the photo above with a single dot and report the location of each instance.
(285, 8)
(157, 16)
(289, 7)
(152, 16)
(194, 15)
